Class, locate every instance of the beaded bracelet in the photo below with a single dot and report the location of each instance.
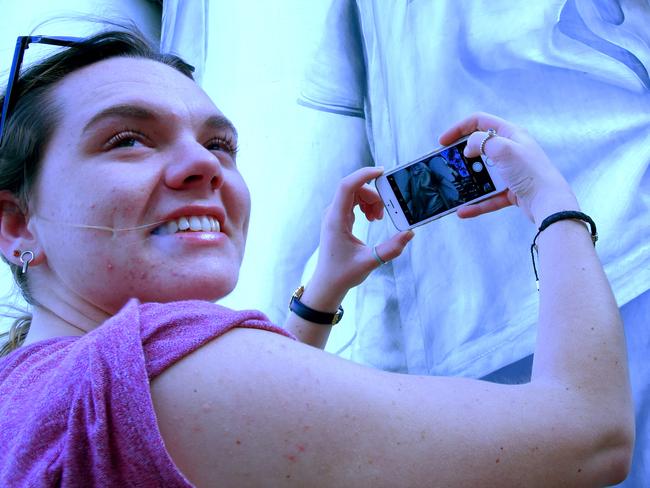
(556, 217)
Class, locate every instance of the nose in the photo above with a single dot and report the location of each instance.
(194, 167)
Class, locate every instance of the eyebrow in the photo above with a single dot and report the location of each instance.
(220, 122)
(129, 111)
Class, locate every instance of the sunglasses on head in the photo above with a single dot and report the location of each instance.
(22, 43)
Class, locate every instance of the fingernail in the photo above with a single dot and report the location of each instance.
(409, 235)
(379, 168)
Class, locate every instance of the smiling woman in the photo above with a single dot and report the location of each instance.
(162, 150)
(28, 130)
(124, 217)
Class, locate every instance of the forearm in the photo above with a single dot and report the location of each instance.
(580, 343)
(309, 333)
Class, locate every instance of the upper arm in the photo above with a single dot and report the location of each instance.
(255, 406)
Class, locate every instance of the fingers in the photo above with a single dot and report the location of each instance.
(492, 204)
(351, 185)
(479, 121)
(370, 203)
(391, 248)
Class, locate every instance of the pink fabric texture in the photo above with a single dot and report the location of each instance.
(77, 411)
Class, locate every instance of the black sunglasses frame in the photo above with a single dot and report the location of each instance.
(22, 44)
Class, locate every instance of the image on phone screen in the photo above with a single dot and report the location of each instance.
(440, 183)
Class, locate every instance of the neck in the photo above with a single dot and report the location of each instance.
(48, 323)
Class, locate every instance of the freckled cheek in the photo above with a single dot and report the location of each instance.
(78, 207)
(116, 209)
(126, 201)
(80, 264)
(97, 249)
(137, 274)
(110, 277)
(124, 270)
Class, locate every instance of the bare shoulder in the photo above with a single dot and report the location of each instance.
(253, 405)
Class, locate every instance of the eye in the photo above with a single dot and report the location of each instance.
(126, 138)
(226, 144)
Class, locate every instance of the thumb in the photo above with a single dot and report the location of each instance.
(393, 247)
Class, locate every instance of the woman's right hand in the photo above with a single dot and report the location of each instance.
(534, 184)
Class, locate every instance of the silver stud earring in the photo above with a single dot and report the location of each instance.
(26, 257)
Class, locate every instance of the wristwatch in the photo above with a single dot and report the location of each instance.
(311, 315)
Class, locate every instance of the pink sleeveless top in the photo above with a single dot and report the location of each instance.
(77, 411)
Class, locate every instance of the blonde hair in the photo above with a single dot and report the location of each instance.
(16, 334)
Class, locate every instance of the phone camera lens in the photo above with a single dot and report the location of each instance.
(477, 167)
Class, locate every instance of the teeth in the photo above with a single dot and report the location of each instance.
(195, 223)
(203, 223)
(183, 223)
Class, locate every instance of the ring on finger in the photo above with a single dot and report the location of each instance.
(490, 133)
(376, 256)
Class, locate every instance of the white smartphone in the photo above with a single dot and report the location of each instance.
(436, 184)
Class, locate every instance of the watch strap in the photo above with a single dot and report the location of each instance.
(311, 315)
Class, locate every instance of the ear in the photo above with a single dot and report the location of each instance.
(15, 236)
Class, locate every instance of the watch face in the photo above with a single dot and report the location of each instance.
(296, 295)
(299, 291)
(337, 316)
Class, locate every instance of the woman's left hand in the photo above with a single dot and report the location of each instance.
(344, 261)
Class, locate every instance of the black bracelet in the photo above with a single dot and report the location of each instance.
(556, 217)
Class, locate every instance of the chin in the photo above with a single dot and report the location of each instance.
(198, 288)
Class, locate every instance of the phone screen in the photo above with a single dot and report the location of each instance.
(440, 183)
